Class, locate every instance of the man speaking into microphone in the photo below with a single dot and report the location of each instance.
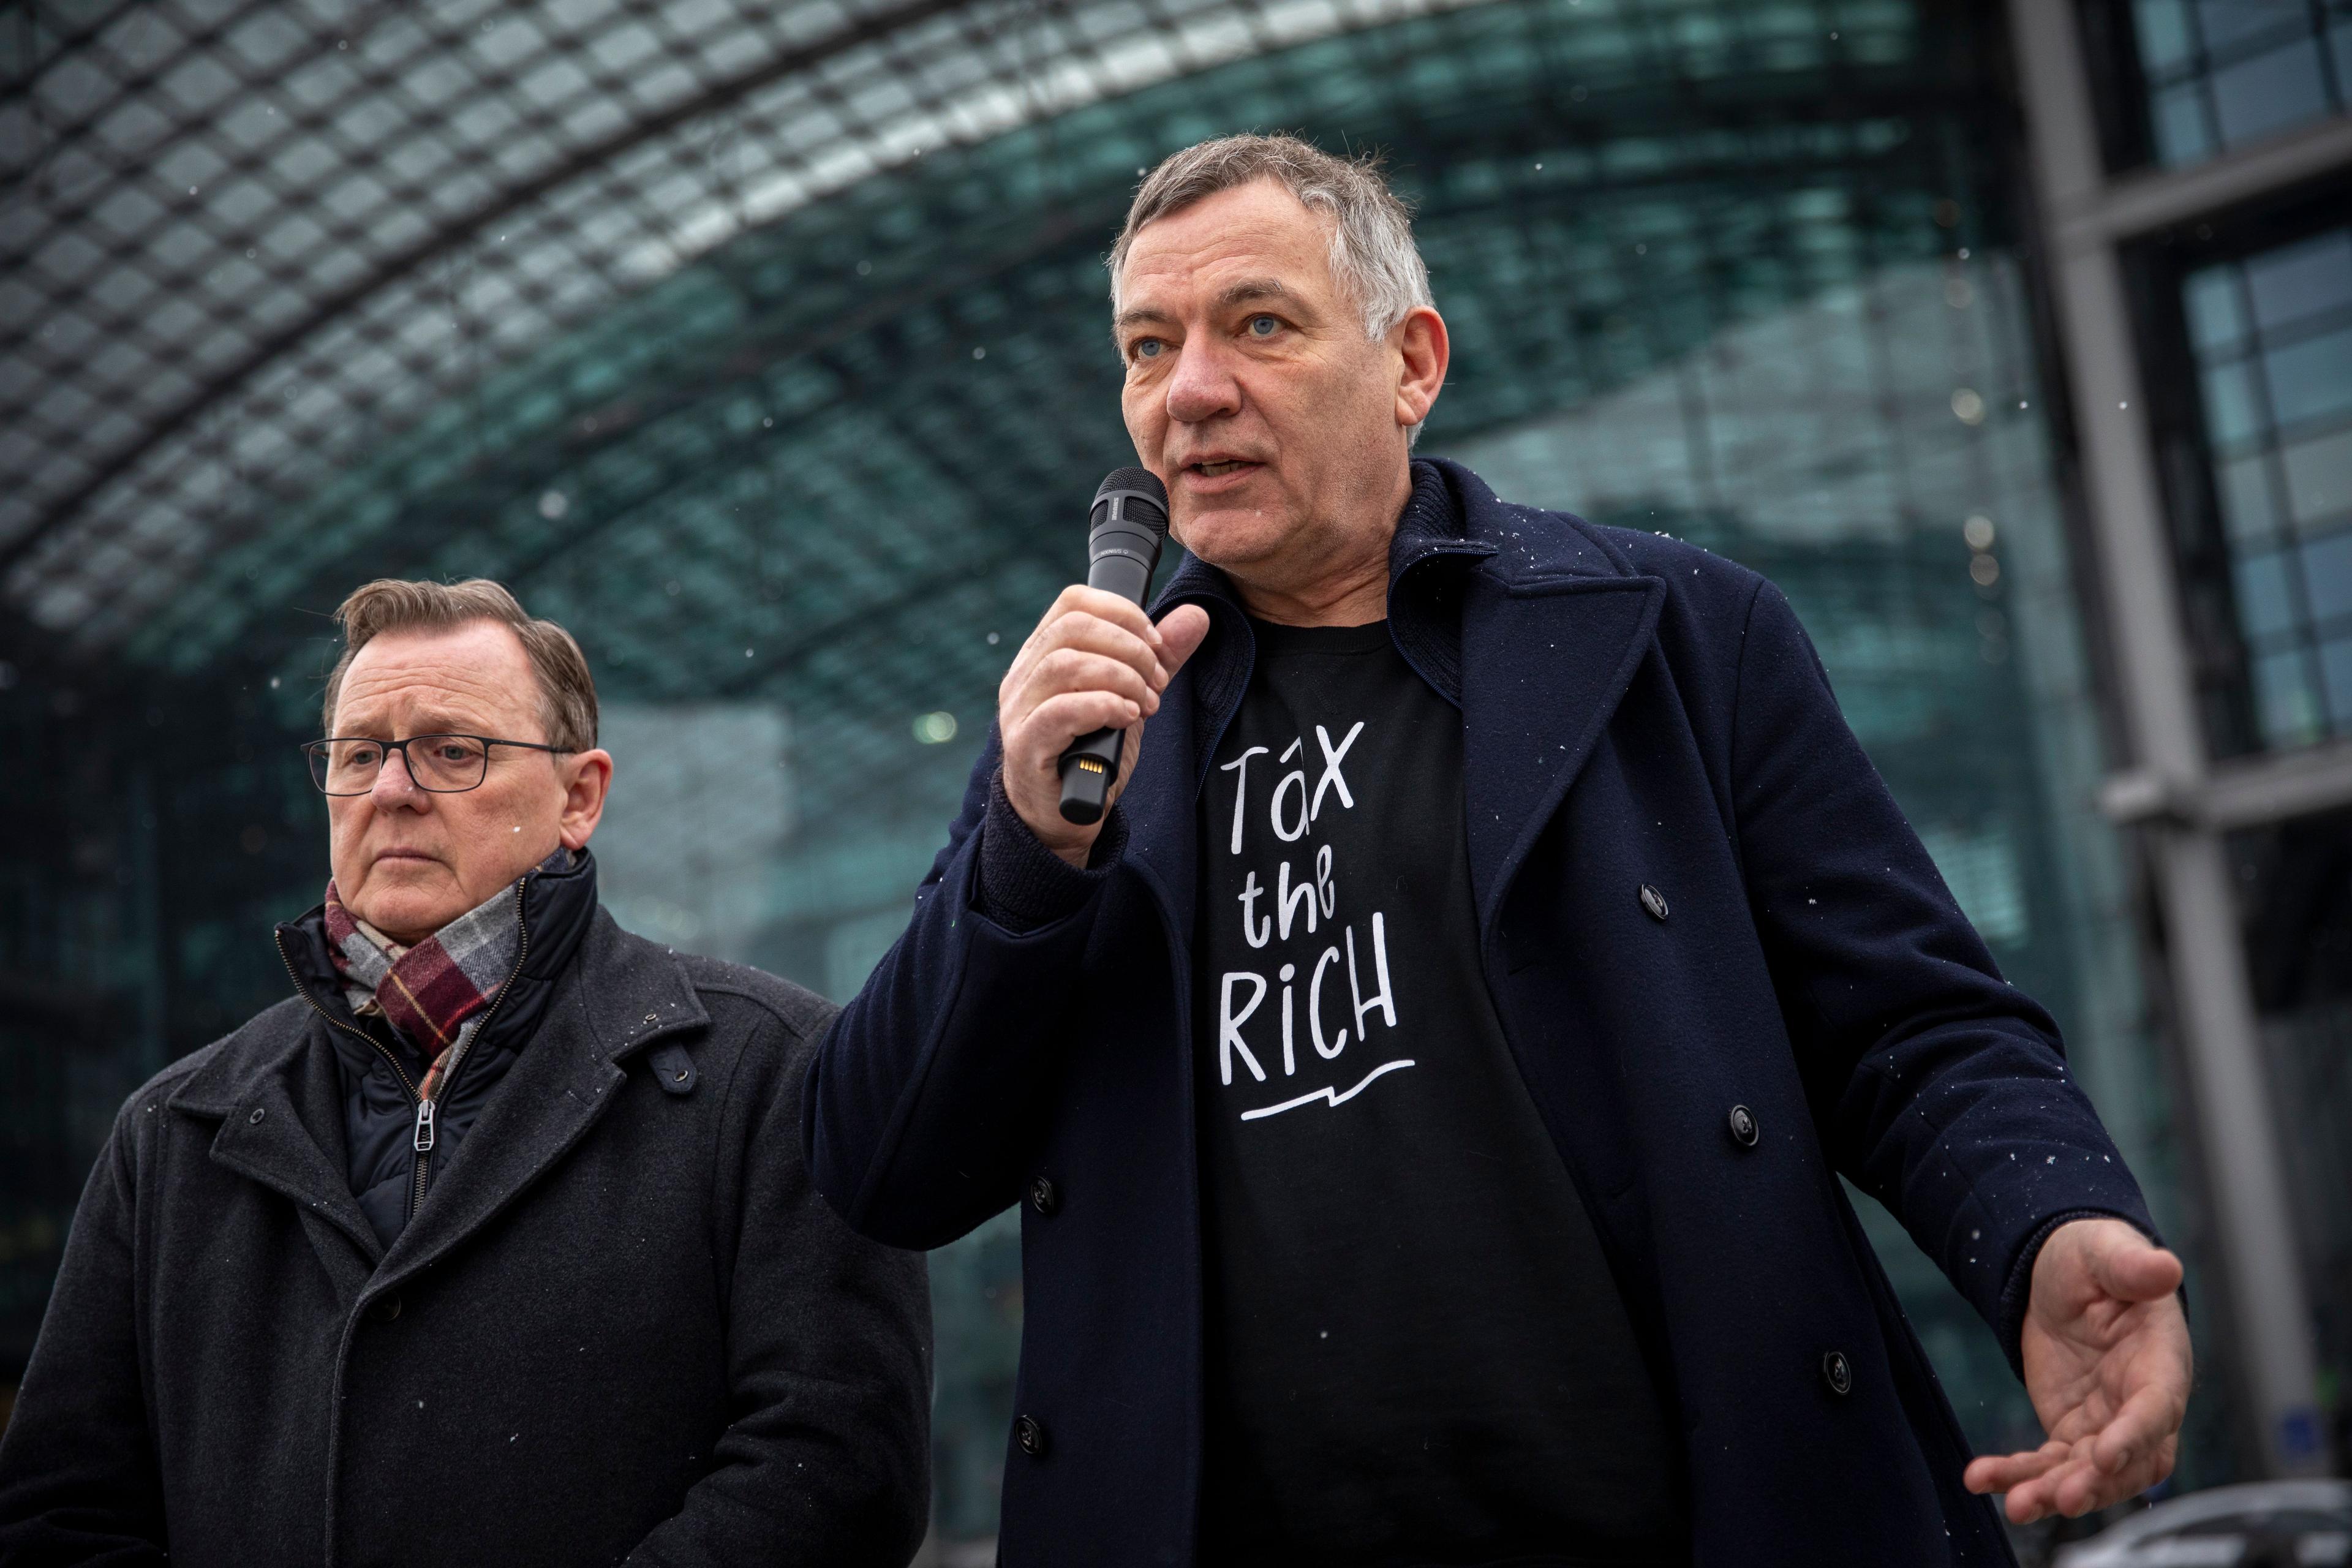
(1426, 1085)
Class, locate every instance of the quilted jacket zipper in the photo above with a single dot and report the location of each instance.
(427, 1109)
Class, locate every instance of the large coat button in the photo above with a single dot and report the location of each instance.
(1745, 1130)
(1030, 1436)
(1838, 1373)
(1654, 901)
(1043, 1196)
(384, 1309)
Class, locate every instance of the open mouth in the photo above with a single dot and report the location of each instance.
(1219, 468)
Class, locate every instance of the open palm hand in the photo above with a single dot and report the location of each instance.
(2107, 1365)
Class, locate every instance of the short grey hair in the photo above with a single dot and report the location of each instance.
(1372, 251)
(567, 693)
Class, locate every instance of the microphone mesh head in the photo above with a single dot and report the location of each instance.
(1152, 513)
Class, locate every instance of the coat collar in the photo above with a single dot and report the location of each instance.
(557, 903)
(273, 1088)
(1528, 621)
(620, 994)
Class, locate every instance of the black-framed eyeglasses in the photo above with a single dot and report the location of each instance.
(444, 764)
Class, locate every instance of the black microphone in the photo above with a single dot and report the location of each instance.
(1124, 533)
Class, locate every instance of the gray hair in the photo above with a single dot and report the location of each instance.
(1372, 251)
(567, 694)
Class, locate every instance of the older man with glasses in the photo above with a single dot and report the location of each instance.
(493, 1242)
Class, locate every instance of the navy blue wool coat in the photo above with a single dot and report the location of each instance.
(1636, 712)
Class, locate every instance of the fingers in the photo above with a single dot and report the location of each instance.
(2086, 1259)
(2126, 1457)
(2007, 1472)
(1183, 630)
(2132, 1269)
(1053, 723)
(2075, 1486)
(1082, 604)
(2146, 1421)
(1094, 662)
(1083, 624)
(1066, 669)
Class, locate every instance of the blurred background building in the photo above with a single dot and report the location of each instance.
(765, 345)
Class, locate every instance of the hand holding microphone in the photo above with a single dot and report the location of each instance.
(1073, 705)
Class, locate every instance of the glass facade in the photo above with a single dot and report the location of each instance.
(2271, 335)
(2221, 73)
(785, 388)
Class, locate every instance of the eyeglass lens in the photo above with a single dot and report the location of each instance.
(446, 763)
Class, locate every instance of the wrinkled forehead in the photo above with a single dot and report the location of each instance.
(475, 679)
(1204, 253)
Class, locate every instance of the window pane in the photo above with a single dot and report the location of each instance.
(2231, 24)
(2235, 71)
(2216, 311)
(2319, 478)
(2328, 578)
(2301, 281)
(2336, 665)
(2269, 94)
(2229, 404)
(2181, 134)
(2246, 499)
(2265, 605)
(2271, 333)
(2290, 712)
(2311, 379)
(2163, 39)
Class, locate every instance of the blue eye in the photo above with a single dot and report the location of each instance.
(1147, 348)
(1262, 326)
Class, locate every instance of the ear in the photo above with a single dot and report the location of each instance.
(1423, 351)
(586, 776)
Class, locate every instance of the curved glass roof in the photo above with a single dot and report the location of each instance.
(764, 343)
(789, 385)
(243, 239)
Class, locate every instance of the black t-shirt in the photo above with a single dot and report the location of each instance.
(1417, 1352)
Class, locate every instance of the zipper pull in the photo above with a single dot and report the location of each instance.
(424, 1126)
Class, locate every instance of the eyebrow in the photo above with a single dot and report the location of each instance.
(1246, 291)
(432, 724)
(1135, 315)
(1252, 288)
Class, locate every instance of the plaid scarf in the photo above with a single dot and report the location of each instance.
(433, 992)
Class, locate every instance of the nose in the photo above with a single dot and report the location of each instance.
(395, 789)
(1204, 387)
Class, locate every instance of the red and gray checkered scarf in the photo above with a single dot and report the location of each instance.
(433, 992)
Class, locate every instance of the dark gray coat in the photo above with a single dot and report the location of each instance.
(623, 1327)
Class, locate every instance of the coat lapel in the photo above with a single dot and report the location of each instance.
(1161, 803)
(1553, 628)
(281, 1125)
(615, 998)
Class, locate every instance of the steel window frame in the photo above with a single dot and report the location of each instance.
(2182, 803)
